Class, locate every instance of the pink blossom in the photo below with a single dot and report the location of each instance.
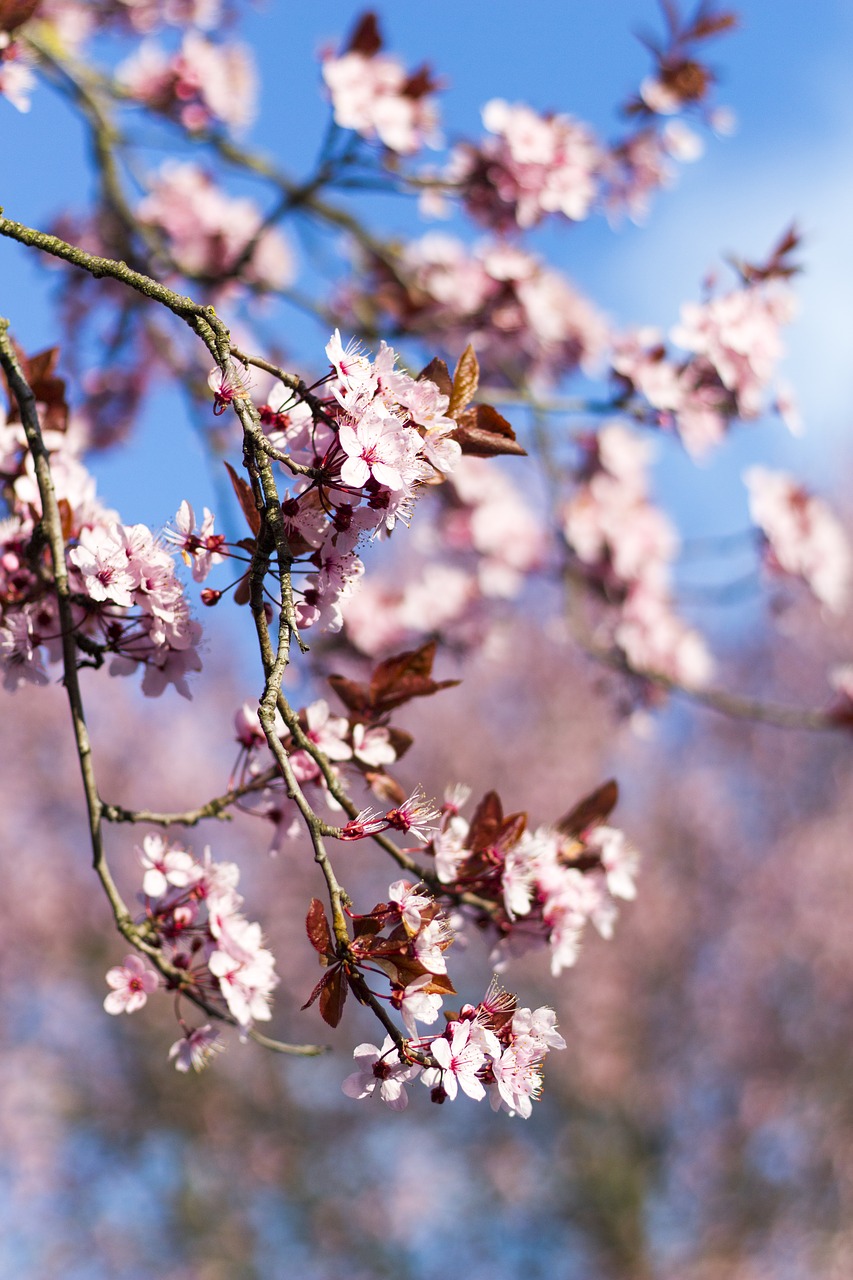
(517, 1078)
(196, 1048)
(533, 166)
(372, 745)
(803, 537)
(375, 97)
(102, 562)
(208, 231)
(165, 865)
(418, 1005)
(16, 76)
(655, 639)
(199, 548)
(19, 654)
(375, 446)
(132, 983)
(619, 860)
(417, 815)
(380, 1068)
(202, 84)
(326, 731)
(460, 1059)
(410, 904)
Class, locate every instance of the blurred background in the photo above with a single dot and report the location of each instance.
(700, 1124)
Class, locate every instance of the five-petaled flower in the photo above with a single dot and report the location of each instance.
(132, 983)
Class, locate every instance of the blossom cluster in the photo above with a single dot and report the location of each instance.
(202, 85)
(534, 166)
(801, 536)
(535, 888)
(375, 96)
(625, 546)
(734, 345)
(365, 749)
(481, 541)
(369, 447)
(492, 1049)
(526, 320)
(193, 919)
(531, 166)
(78, 20)
(128, 603)
(207, 233)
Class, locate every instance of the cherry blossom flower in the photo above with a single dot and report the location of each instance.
(534, 165)
(132, 983)
(381, 1068)
(19, 655)
(199, 548)
(417, 815)
(372, 745)
(201, 84)
(459, 1059)
(373, 95)
(208, 232)
(16, 76)
(418, 1005)
(196, 1048)
(165, 865)
(410, 903)
(803, 537)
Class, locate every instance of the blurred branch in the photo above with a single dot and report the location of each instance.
(735, 705)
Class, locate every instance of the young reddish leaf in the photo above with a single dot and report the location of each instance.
(246, 499)
(414, 662)
(14, 13)
(411, 687)
(333, 997)
(317, 926)
(400, 741)
(323, 983)
(366, 926)
(592, 810)
(484, 433)
(512, 829)
(466, 379)
(420, 83)
(385, 788)
(66, 517)
(395, 681)
(354, 696)
(486, 822)
(366, 38)
(405, 676)
(711, 24)
(243, 590)
(437, 371)
(48, 389)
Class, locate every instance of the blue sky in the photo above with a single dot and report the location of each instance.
(785, 73)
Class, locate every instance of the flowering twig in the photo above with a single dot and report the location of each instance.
(51, 521)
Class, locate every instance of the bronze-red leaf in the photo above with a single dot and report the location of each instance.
(437, 371)
(333, 997)
(317, 926)
(486, 822)
(466, 379)
(246, 499)
(482, 432)
(366, 38)
(592, 810)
